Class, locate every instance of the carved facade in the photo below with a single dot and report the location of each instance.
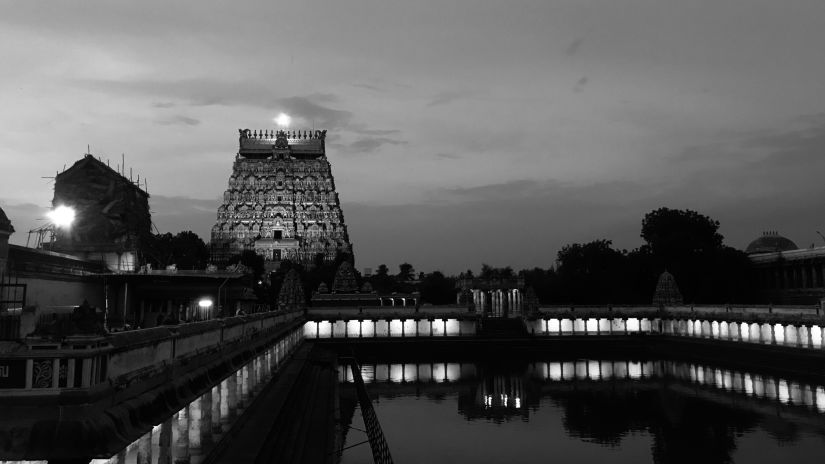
(281, 200)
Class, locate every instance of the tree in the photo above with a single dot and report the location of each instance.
(406, 272)
(593, 273)
(437, 289)
(689, 246)
(673, 234)
(489, 272)
(382, 281)
(186, 250)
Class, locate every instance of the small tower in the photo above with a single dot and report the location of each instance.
(345, 279)
(291, 297)
(667, 292)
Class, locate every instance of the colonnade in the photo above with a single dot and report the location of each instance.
(810, 336)
(793, 274)
(406, 328)
(498, 303)
(794, 335)
(401, 301)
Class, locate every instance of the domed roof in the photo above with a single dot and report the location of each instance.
(770, 242)
(5, 224)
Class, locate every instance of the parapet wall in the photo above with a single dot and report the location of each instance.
(90, 367)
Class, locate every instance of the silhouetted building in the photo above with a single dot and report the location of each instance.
(6, 230)
(770, 242)
(281, 201)
(112, 219)
(786, 274)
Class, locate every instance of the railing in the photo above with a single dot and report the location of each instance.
(378, 443)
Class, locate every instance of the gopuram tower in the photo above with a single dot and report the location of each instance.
(281, 201)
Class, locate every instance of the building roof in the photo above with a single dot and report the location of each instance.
(262, 142)
(770, 242)
(93, 164)
(5, 223)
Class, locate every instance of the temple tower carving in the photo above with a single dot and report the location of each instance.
(281, 200)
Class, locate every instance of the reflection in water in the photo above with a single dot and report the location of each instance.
(621, 411)
(190, 433)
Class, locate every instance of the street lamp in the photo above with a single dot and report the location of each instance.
(62, 216)
(205, 304)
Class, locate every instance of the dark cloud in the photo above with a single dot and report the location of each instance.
(178, 120)
(574, 46)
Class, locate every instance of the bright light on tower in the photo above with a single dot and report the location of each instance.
(62, 216)
(283, 120)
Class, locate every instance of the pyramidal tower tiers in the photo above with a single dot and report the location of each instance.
(281, 200)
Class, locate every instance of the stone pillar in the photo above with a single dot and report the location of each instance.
(230, 399)
(195, 426)
(165, 442)
(144, 448)
(181, 450)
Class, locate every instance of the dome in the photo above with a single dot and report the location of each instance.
(770, 242)
(5, 224)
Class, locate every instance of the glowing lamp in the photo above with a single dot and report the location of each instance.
(283, 120)
(205, 303)
(62, 216)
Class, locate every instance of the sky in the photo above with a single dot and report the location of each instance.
(459, 132)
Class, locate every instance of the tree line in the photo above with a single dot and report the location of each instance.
(683, 242)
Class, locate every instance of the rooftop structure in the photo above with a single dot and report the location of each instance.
(280, 201)
(770, 242)
(112, 218)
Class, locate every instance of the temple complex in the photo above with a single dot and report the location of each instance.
(281, 201)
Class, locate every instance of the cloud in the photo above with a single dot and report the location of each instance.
(177, 213)
(574, 46)
(25, 217)
(163, 105)
(178, 120)
(580, 84)
(370, 144)
(445, 98)
(448, 156)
